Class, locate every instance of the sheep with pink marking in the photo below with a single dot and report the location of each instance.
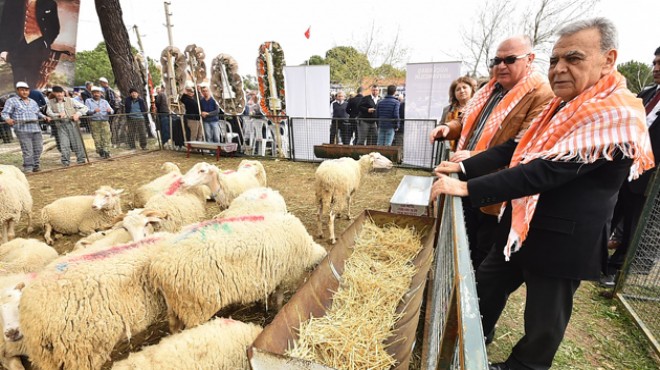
(256, 168)
(158, 185)
(225, 185)
(182, 205)
(255, 201)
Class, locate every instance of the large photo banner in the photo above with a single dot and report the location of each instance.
(37, 42)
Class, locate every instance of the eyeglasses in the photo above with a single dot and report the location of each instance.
(507, 60)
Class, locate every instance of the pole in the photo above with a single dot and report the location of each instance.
(168, 24)
(172, 94)
(146, 68)
(192, 63)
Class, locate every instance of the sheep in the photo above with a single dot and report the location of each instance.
(224, 185)
(82, 304)
(83, 214)
(255, 201)
(336, 182)
(243, 259)
(135, 225)
(157, 186)
(219, 344)
(257, 169)
(25, 255)
(182, 205)
(12, 345)
(15, 200)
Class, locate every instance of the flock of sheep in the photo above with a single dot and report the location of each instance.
(161, 260)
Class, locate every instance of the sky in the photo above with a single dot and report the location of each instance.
(429, 30)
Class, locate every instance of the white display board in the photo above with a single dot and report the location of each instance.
(427, 93)
(307, 102)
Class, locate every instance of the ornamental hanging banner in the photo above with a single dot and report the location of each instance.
(227, 84)
(270, 74)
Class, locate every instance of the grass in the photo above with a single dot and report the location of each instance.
(601, 334)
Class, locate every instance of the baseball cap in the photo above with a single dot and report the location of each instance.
(96, 88)
(20, 84)
(103, 79)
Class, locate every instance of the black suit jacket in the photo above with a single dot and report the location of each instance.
(569, 230)
(639, 186)
(13, 22)
(352, 106)
(366, 103)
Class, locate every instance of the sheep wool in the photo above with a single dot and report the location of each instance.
(256, 168)
(220, 344)
(82, 304)
(25, 255)
(158, 185)
(241, 260)
(10, 351)
(15, 200)
(183, 206)
(255, 201)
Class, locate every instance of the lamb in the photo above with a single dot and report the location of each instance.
(255, 201)
(256, 168)
(83, 214)
(224, 185)
(240, 260)
(25, 255)
(336, 182)
(12, 345)
(15, 200)
(182, 205)
(82, 304)
(135, 225)
(157, 186)
(218, 344)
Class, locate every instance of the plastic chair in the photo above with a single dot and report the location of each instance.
(284, 137)
(227, 133)
(261, 136)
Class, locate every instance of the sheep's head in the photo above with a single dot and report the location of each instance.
(201, 173)
(170, 167)
(106, 198)
(141, 223)
(9, 304)
(380, 161)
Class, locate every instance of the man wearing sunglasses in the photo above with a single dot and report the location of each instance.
(499, 111)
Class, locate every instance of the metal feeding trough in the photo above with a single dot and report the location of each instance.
(315, 298)
(412, 197)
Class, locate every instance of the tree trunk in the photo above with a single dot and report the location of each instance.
(118, 45)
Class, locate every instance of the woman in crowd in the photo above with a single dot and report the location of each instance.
(461, 91)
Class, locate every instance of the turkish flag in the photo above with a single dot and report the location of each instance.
(307, 32)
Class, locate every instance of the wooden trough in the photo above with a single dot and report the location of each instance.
(315, 297)
(331, 151)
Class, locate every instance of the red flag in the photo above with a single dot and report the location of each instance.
(307, 32)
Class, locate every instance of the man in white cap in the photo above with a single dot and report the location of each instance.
(99, 110)
(23, 114)
(108, 93)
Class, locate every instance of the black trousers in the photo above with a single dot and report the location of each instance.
(26, 60)
(628, 210)
(481, 232)
(548, 307)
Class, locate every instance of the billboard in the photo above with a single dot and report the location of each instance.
(37, 42)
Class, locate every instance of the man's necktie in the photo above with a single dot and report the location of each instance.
(653, 102)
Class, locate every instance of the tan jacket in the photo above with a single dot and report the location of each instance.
(514, 124)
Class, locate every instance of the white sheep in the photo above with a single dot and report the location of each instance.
(15, 200)
(240, 260)
(135, 225)
(25, 255)
(336, 182)
(220, 344)
(224, 185)
(182, 205)
(256, 168)
(82, 214)
(158, 185)
(255, 201)
(82, 304)
(12, 345)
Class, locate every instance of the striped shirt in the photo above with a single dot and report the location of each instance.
(25, 112)
(101, 104)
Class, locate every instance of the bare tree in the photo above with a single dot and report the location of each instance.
(380, 52)
(486, 30)
(118, 45)
(543, 18)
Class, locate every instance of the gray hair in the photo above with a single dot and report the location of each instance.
(609, 38)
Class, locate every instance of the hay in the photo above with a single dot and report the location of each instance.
(376, 276)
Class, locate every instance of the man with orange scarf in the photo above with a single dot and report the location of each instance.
(561, 186)
(502, 109)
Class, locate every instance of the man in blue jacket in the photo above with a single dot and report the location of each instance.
(387, 112)
(136, 109)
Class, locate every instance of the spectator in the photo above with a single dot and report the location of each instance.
(108, 93)
(191, 103)
(66, 112)
(387, 112)
(352, 108)
(163, 109)
(461, 91)
(210, 112)
(136, 111)
(560, 187)
(100, 109)
(367, 128)
(339, 120)
(23, 114)
(86, 93)
(398, 135)
(5, 129)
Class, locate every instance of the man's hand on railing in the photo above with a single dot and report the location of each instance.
(445, 168)
(439, 132)
(460, 156)
(450, 186)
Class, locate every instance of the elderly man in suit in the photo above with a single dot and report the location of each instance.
(560, 188)
(631, 196)
(503, 109)
(367, 126)
(28, 29)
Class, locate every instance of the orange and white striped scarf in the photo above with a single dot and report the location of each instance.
(510, 100)
(601, 120)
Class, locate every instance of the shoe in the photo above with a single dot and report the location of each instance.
(608, 281)
(36, 169)
(106, 155)
(66, 164)
(27, 170)
(499, 366)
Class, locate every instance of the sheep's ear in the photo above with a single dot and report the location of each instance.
(119, 218)
(155, 213)
(154, 220)
(20, 286)
(118, 191)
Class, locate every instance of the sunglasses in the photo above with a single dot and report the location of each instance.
(507, 60)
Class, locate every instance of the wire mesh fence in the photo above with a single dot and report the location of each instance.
(638, 287)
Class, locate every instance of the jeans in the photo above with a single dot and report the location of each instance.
(212, 131)
(164, 121)
(385, 136)
(70, 139)
(32, 144)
